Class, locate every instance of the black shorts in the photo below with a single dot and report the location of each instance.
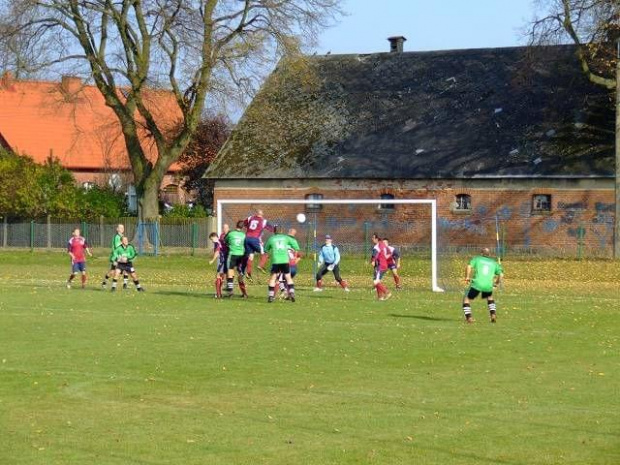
(126, 267)
(473, 293)
(236, 262)
(283, 268)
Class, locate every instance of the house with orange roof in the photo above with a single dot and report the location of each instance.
(68, 120)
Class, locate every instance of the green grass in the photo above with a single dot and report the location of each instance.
(172, 376)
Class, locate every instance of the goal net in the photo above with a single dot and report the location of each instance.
(409, 224)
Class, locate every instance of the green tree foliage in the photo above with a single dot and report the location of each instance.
(30, 190)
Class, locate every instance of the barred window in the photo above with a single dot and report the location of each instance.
(314, 207)
(387, 206)
(541, 203)
(462, 202)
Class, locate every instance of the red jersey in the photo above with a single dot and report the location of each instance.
(77, 246)
(221, 245)
(381, 256)
(255, 226)
(293, 256)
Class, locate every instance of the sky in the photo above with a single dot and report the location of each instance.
(427, 25)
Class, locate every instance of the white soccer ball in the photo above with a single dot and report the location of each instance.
(301, 218)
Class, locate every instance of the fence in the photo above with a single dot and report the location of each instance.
(520, 236)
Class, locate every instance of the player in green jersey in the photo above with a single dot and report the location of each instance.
(235, 241)
(278, 247)
(123, 256)
(482, 274)
(116, 241)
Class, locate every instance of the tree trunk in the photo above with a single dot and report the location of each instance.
(148, 198)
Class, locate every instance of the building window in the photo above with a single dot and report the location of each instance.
(387, 206)
(462, 203)
(541, 203)
(314, 207)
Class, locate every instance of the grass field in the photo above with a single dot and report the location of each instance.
(172, 376)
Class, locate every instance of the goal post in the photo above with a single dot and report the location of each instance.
(432, 203)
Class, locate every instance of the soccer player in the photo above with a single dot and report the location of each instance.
(116, 241)
(123, 256)
(393, 262)
(219, 254)
(235, 242)
(329, 260)
(293, 259)
(278, 247)
(255, 225)
(380, 262)
(482, 274)
(76, 247)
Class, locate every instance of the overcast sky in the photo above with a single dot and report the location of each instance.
(428, 25)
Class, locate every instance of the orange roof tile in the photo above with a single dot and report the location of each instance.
(71, 122)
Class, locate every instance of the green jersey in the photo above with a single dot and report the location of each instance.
(116, 242)
(124, 254)
(235, 241)
(278, 246)
(485, 270)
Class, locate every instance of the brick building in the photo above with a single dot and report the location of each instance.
(517, 134)
(69, 120)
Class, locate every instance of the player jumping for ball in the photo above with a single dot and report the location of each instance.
(278, 247)
(482, 274)
(254, 225)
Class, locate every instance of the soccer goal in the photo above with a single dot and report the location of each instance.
(350, 221)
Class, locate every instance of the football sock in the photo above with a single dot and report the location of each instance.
(229, 285)
(379, 290)
(137, 283)
(282, 285)
(71, 276)
(291, 290)
(272, 291)
(248, 267)
(83, 279)
(343, 283)
(125, 280)
(242, 288)
(218, 286)
(263, 260)
(319, 283)
(114, 283)
(492, 307)
(467, 310)
(397, 279)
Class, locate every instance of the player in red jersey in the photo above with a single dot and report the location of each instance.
(254, 226)
(393, 262)
(77, 246)
(220, 254)
(380, 260)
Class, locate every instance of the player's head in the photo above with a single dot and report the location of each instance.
(76, 232)
(485, 252)
(213, 237)
(125, 240)
(276, 229)
(259, 213)
(120, 229)
(386, 241)
(292, 232)
(225, 228)
(240, 225)
(328, 239)
(375, 238)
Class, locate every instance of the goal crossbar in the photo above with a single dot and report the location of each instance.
(432, 202)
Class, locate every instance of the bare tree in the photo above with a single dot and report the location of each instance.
(198, 50)
(594, 27)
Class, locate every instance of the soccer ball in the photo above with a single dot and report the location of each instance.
(301, 218)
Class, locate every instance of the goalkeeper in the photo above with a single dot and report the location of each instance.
(329, 260)
(482, 274)
(123, 256)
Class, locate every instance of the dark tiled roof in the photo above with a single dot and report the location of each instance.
(448, 114)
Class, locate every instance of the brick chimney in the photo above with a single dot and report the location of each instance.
(70, 84)
(396, 44)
